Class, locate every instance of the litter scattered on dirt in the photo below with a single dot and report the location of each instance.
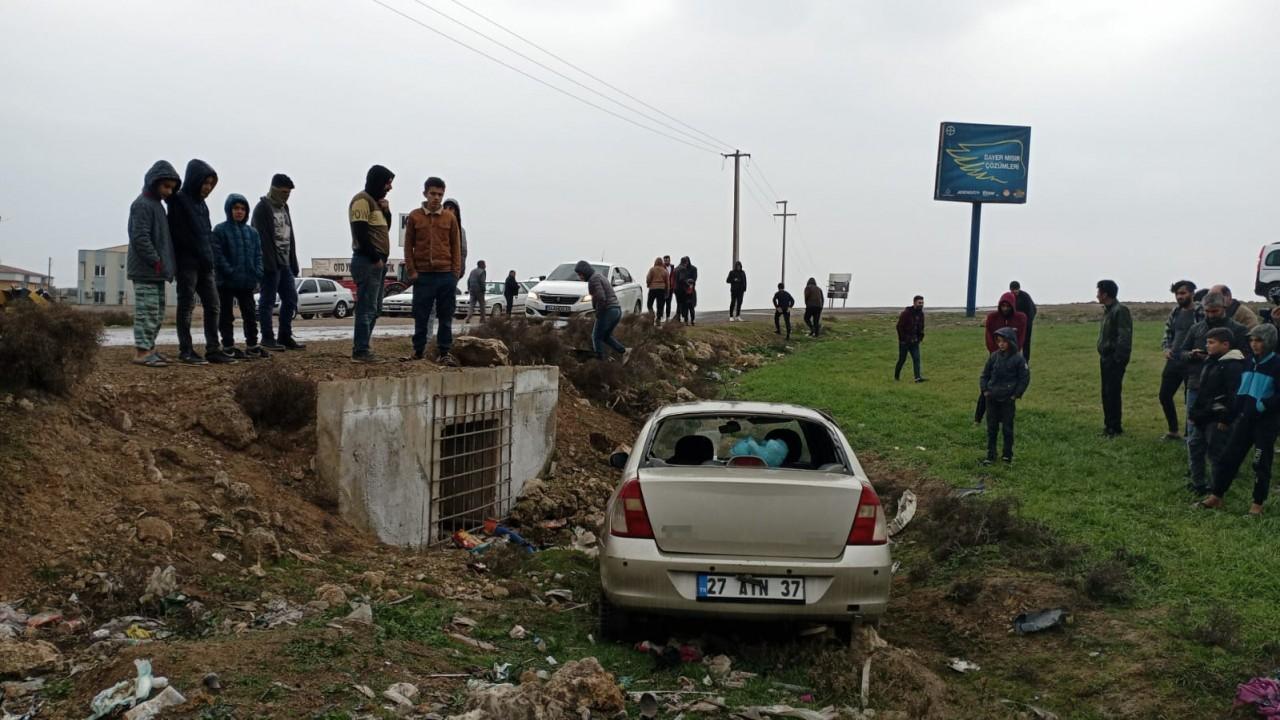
(906, 511)
(580, 688)
(1263, 693)
(1040, 620)
(963, 666)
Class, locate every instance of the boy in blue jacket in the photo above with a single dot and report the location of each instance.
(1255, 421)
(237, 259)
(1004, 379)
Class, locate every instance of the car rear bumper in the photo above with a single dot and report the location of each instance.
(636, 575)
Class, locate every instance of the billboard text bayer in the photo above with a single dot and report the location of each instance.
(982, 163)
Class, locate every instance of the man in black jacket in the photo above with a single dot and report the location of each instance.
(737, 281)
(369, 215)
(274, 224)
(1209, 415)
(510, 289)
(191, 230)
(1181, 319)
(1025, 305)
(782, 304)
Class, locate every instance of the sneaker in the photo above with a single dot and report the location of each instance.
(447, 359)
(922, 379)
(257, 352)
(1171, 437)
(272, 345)
(364, 357)
(1007, 459)
(417, 355)
(191, 357)
(986, 461)
(218, 357)
(291, 344)
(236, 353)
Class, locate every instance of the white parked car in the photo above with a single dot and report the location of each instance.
(745, 511)
(494, 300)
(1268, 269)
(564, 295)
(319, 296)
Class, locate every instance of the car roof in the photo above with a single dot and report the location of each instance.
(735, 407)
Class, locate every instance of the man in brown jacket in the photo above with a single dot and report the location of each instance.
(433, 263)
(657, 282)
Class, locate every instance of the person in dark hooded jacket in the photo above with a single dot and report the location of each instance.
(370, 218)
(604, 301)
(192, 232)
(1004, 380)
(237, 262)
(737, 281)
(686, 289)
(150, 261)
(1209, 413)
(1025, 305)
(1254, 420)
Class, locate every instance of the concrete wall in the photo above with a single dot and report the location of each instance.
(376, 441)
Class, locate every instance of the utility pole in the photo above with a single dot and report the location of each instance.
(784, 215)
(737, 156)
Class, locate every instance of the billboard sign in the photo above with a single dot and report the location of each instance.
(982, 163)
(838, 285)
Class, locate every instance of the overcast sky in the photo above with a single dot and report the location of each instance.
(1153, 131)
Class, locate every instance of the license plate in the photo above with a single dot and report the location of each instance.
(741, 588)
(559, 308)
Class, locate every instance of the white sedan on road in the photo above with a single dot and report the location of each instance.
(494, 300)
(563, 294)
(318, 296)
(746, 511)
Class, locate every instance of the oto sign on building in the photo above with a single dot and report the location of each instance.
(981, 164)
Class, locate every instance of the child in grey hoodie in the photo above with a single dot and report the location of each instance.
(1004, 379)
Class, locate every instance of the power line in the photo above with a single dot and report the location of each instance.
(763, 195)
(537, 79)
(755, 165)
(552, 70)
(760, 201)
(593, 77)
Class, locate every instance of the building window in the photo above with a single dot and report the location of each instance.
(121, 300)
(99, 297)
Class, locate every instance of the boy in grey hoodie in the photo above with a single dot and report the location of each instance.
(150, 260)
(1004, 380)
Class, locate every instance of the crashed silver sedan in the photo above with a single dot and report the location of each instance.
(743, 510)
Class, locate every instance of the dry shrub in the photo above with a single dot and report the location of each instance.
(46, 347)
(956, 524)
(964, 592)
(1109, 581)
(1220, 627)
(116, 318)
(900, 681)
(276, 399)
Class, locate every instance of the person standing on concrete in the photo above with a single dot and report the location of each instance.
(671, 287)
(475, 290)
(607, 309)
(150, 260)
(1025, 305)
(910, 335)
(274, 224)
(1174, 375)
(737, 281)
(1235, 309)
(813, 307)
(782, 304)
(192, 234)
(510, 289)
(369, 214)
(452, 206)
(1115, 344)
(656, 282)
(237, 260)
(433, 263)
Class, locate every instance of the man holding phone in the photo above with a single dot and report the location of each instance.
(1193, 352)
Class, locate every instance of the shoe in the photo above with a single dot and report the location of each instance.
(218, 357)
(191, 357)
(417, 355)
(364, 357)
(235, 353)
(291, 344)
(257, 352)
(1007, 460)
(896, 378)
(1172, 436)
(1199, 490)
(986, 462)
(272, 345)
(447, 359)
(777, 332)
(922, 379)
(161, 357)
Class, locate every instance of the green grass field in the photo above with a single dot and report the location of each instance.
(1109, 494)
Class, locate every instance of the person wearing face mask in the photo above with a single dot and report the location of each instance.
(370, 218)
(274, 223)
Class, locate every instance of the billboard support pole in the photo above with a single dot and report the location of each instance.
(975, 228)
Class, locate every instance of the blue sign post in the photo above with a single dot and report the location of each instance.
(981, 164)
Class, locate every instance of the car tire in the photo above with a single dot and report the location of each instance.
(639, 308)
(340, 310)
(307, 316)
(497, 309)
(616, 624)
(1264, 289)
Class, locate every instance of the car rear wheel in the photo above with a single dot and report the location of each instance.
(616, 624)
(340, 310)
(307, 316)
(497, 309)
(638, 308)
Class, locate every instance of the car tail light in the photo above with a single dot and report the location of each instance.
(869, 527)
(630, 518)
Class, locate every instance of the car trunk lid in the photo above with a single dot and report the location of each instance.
(763, 512)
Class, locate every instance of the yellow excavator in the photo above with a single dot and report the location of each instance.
(16, 294)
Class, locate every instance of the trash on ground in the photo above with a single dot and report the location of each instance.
(906, 511)
(511, 536)
(556, 524)
(364, 690)
(1038, 712)
(153, 707)
(585, 542)
(479, 644)
(1261, 692)
(517, 633)
(133, 628)
(279, 612)
(462, 621)
(212, 683)
(551, 661)
(361, 614)
(560, 595)
(219, 557)
(963, 666)
(127, 693)
(1040, 620)
(648, 705)
(966, 492)
(580, 688)
(501, 672)
(469, 542)
(763, 712)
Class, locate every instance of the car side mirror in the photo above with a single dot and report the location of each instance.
(617, 281)
(619, 460)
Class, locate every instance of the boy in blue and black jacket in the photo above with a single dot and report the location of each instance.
(1212, 405)
(1255, 420)
(237, 260)
(1004, 379)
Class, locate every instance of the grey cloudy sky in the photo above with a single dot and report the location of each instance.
(1153, 131)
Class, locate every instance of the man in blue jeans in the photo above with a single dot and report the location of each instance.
(433, 260)
(274, 224)
(370, 217)
(608, 311)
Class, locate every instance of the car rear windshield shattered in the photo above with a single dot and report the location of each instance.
(745, 440)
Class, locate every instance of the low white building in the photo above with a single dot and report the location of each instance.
(103, 279)
(17, 277)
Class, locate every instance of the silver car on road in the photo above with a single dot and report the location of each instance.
(743, 510)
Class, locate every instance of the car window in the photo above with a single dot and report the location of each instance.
(493, 288)
(798, 444)
(1273, 258)
(307, 286)
(326, 286)
(565, 271)
(626, 276)
(527, 286)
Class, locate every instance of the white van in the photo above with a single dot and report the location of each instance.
(1268, 269)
